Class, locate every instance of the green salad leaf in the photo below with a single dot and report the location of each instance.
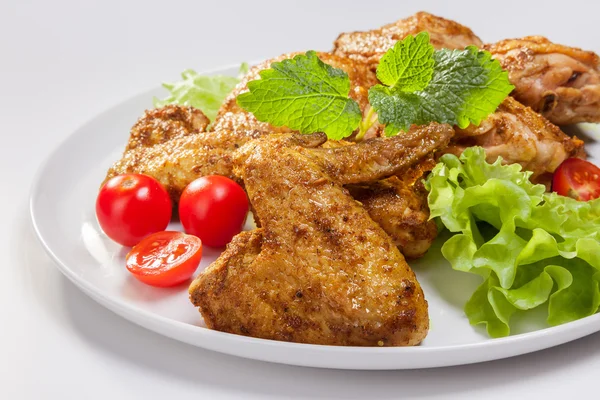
(465, 87)
(532, 248)
(201, 91)
(304, 94)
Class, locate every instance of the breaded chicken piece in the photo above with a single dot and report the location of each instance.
(399, 205)
(160, 125)
(176, 163)
(368, 47)
(380, 157)
(320, 270)
(401, 209)
(232, 117)
(519, 135)
(560, 82)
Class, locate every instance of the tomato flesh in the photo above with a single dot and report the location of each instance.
(578, 179)
(214, 208)
(130, 207)
(165, 258)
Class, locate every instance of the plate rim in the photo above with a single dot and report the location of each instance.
(554, 336)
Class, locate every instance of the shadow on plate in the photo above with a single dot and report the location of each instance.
(588, 133)
(454, 287)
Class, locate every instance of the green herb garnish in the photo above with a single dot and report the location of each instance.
(465, 87)
(304, 94)
(409, 65)
(419, 85)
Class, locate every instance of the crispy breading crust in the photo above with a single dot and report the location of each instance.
(160, 125)
(320, 270)
(401, 209)
(175, 163)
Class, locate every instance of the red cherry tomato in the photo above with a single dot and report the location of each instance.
(132, 206)
(214, 208)
(165, 258)
(578, 179)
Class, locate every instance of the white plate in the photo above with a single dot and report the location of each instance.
(62, 210)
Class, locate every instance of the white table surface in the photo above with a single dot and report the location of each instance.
(62, 62)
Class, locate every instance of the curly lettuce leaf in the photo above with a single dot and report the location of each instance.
(203, 92)
(532, 248)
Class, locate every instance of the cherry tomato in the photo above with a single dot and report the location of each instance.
(214, 208)
(132, 206)
(165, 258)
(578, 179)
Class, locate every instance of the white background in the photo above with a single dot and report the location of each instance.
(62, 62)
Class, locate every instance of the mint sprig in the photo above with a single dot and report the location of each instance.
(304, 94)
(466, 86)
(419, 85)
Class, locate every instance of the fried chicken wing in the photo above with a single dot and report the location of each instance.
(379, 157)
(169, 144)
(519, 135)
(176, 163)
(401, 209)
(562, 83)
(368, 47)
(160, 125)
(320, 270)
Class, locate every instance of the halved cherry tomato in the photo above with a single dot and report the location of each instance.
(578, 179)
(132, 206)
(214, 208)
(165, 258)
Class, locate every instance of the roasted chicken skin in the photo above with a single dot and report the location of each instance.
(319, 270)
(167, 143)
(175, 163)
(400, 208)
(368, 47)
(380, 157)
(560, 82)
(399, 205)
(163, 124)
(519, 135)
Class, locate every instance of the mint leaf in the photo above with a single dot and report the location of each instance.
(395, 109)
(304, 94)
(200, 91)
(466, 86)
(469, 83)
(408, 66)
